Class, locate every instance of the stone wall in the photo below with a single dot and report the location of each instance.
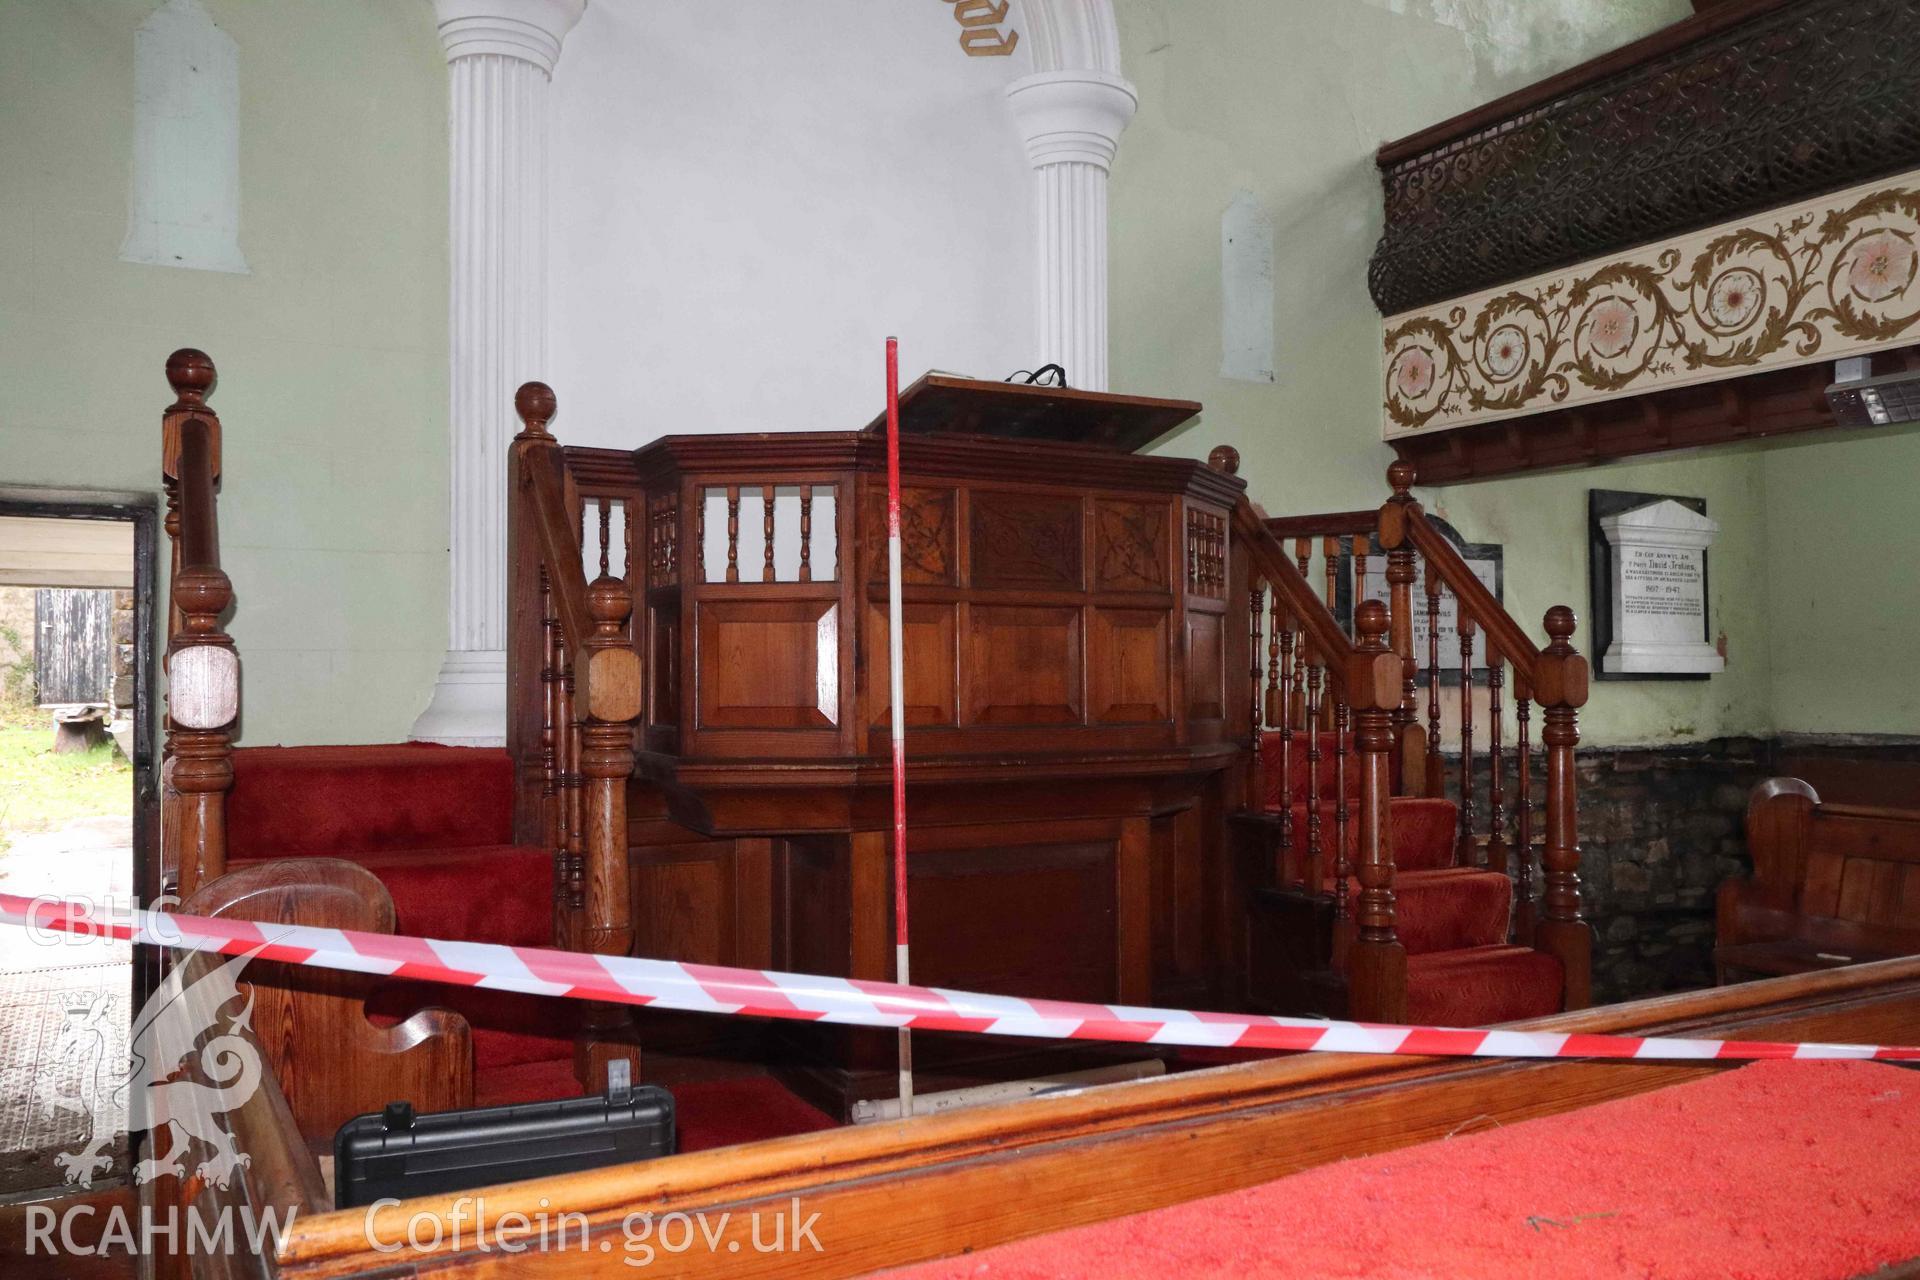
(1660, 828)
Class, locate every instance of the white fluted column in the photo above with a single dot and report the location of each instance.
(500, 58)
(1071, 122)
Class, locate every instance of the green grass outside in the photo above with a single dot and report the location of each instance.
(40, 790)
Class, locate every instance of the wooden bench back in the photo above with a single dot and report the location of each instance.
(1852, 864)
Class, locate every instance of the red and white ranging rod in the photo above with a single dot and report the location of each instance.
(896, 682)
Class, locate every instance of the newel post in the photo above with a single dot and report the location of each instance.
(1560, 685)
(1377, 968)
(203, 670)
(1410, 737)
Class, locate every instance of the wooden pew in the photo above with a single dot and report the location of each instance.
(332, 1063)
(1832, 885)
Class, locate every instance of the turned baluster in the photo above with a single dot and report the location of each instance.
(1523, 810)
(733, 533)
(1286, 751)
(1436, 767)
(203, 671)
(572, 807)
(605, 506)
(700, 533)
(1561, 686)
(1330, 553)
(766, 530)
(1342, 728)
(1316, 864)
(1401, 572)
(1297, 709)
(549, 713)
(1276, 619)
(1466, 852)
(1375, 959)
(806, 533)
(1360, 559)
(1256, 607)
(1496, 780)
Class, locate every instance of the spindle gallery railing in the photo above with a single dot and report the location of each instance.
(1305, 709)
(590, 680)
(203, 670)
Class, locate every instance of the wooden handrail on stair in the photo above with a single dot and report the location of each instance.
(203, 670)
(1306, 644)
(592, 680)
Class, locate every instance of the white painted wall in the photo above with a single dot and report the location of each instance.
(748, 197)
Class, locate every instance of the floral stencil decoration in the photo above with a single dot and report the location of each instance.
(1830, 277)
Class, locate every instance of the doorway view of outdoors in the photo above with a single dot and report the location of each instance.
(70, 696)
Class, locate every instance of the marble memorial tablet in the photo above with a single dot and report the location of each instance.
(1657, 574)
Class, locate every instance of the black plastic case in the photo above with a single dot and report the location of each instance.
(399, 1154)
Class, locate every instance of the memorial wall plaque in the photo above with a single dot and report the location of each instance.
(1649, 586)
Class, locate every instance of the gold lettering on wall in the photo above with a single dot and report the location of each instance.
(980, 34)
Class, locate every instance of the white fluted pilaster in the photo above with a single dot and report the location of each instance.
(1071, 122)
(500, 57)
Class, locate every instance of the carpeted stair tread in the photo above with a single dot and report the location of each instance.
(1424, 832)
(487, 893)
(1478, 986)
(1450, 909)
(1328, 774)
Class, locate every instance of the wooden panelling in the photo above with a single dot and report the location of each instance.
(928, 543)
(1127, 666)
(996, 919)
(768, 664)
(683, 903)
(930, 658)
(663, 668)
(1206, 667)
(1023, 663)
(1130, 546)
(1024, 541)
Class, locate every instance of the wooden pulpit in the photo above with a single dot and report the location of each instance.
(1068, 742)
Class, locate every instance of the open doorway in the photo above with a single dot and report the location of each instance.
(76, 810)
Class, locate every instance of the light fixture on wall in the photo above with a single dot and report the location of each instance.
(1861, 400)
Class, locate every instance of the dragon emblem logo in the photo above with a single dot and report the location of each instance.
(183, 1070)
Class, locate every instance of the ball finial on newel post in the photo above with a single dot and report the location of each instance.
(1370, 620)
(1401, 476)
(1224, 458)
(191, 374)
(1560, 623)
(535, 404)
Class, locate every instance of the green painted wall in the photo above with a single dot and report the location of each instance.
(1841, 549)
(1289, 101)
(332, 352)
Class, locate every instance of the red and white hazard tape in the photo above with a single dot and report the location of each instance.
(808, 997)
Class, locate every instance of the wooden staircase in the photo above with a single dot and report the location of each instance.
(1377, 883)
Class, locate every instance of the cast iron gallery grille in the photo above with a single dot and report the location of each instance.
(1804, 99)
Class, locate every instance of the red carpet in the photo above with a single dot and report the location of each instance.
(435, 824)
(1779, 1169)
(1453, 920)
